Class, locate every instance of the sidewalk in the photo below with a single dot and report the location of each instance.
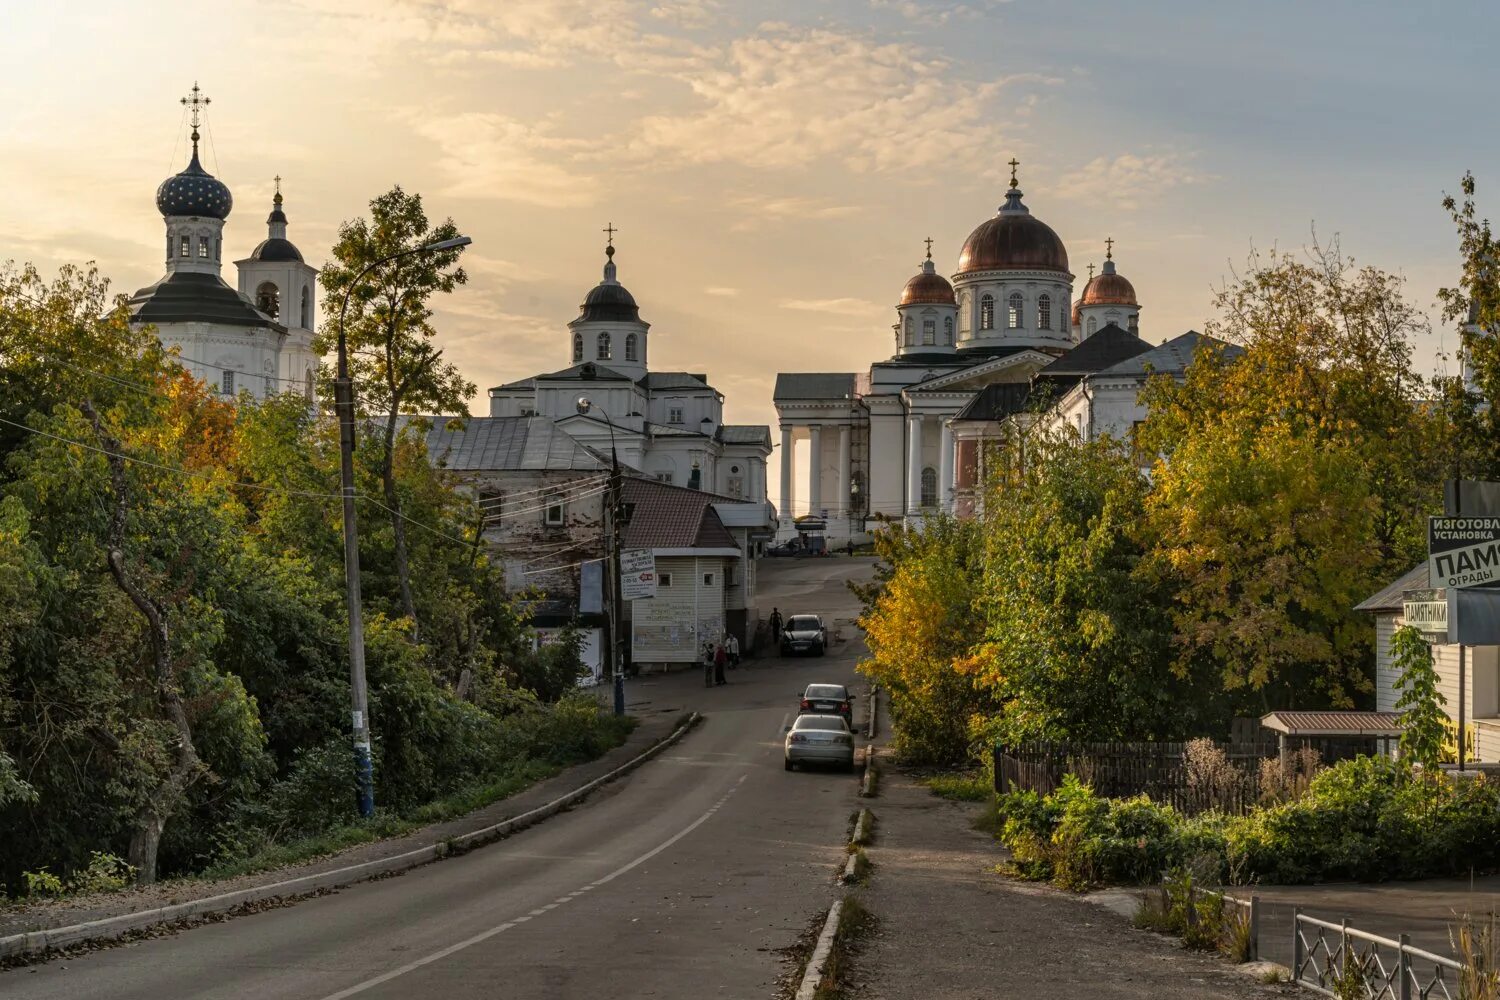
(657, 709)
(949, 927)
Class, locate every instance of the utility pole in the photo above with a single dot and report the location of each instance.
(343, 405)
(613, 539)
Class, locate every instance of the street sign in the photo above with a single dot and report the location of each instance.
(637, 574)
(1427, 612)
(1463, 551)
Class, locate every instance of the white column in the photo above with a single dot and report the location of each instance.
(785, 510)
(945, 467)
(913, 463)
(843, 490)
(815, 472)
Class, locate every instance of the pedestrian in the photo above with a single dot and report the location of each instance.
(732, 647)
(775, 627)
(708, 664)
(720, 659)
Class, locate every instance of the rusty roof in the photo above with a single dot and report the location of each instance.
(1383, 724)
(673, 517)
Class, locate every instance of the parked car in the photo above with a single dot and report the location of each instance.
(803, 634)
(820, 739)
(830, 698)
(789, 548)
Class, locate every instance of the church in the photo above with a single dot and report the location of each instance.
(256, 338)
(901, 441)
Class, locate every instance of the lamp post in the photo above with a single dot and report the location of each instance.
(616, 523)
(343, 405)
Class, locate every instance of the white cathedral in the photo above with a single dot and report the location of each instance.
(902, 441)
(257, 339)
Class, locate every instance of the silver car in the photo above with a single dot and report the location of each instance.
(820, 739)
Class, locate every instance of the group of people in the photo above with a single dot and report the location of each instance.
(719, 656)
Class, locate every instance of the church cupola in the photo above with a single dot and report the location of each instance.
(609, 330)
(927, 313)
(276, 247)
(194, 204)
(1108, 298)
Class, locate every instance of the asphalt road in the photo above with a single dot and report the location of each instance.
(682, 880)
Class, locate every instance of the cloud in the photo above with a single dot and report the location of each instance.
(690, 14)
(1129, 179)
(934, 11)
(721, 291)
(761, 211)
(491, 156)
(838, 307)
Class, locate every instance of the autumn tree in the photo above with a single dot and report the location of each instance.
(1474, 304)
(394, 360)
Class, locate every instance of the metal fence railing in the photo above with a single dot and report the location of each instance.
(1325, 954)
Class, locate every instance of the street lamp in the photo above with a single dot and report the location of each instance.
(343, 405)
(616, 523)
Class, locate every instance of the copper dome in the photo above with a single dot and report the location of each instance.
(927, 288)
(1109, 289)
(1013, 240)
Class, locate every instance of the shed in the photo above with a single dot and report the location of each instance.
(1328, 727)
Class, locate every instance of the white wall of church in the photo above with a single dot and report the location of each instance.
(887, 475)
(686, 410)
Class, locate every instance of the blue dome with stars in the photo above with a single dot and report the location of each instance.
(195, 191)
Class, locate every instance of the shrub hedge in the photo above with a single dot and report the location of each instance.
(1367, 820)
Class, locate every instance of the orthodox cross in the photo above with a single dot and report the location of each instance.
(197, 102)
(610, 230)
(277, 179)
(1014, 163)
(1109, 248)
(929, 248)
(1091, 271)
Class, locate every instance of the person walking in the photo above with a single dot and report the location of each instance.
(720, 659)
(776, 628)
(708, 664)
(732, 647)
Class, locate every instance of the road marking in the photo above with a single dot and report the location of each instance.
(514, 921)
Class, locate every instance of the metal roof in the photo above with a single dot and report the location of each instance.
(1099, 351)
(502, 443)
(1173, 357)
(745, 434)
(996, 401)
(1389, 597)
(588, 371)
(193, 297)
(673, 517)
(1382, 724)
(652, 381)
(814, 385)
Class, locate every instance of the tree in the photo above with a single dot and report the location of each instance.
(1474, 303)
(395, 364)
(1423, 722)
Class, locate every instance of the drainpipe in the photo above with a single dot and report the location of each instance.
(1089, 398)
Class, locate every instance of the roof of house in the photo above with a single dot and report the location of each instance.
(652, 381)
(1099, 351)
(996, 401)
(673, 517)
(504, 443)
(1388, 598)
(814, 385)
(586, 372)
(1382, 724)
(1173, 357)
(745, 434)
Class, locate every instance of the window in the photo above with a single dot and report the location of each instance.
(729, 576)
(218, 245)
(664, 579)
(307, 389)
(947, 331)
(708, 579)
(528, 411)
(203, 247)
(736, 486)
(986, 312)
(306, 308)
(909, 335)
(1135, 322)
(1044, 313)
(268, 300)
(929, 487)
(664, 477)
(1093, 323)
(491, 505)
(929, 332)
(603, 347)
(169, 246)
(1013, 312)
(226, 383)
(577, 347)
(630, 347)
(186, 247)
(553, 513)
(674, 415)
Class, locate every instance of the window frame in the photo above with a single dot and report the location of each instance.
(929, 333)
(676, 415)
(929, 499)
(577, 348)
(604, 347)
(555, 513)
(663, 580)
(947, 331)
(630, 347)
(986, 311)
(1015, 311)
(1044, 312)
(226, 382)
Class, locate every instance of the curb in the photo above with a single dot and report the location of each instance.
(862, 828)
(867, 783)
(109, 928)
(870, 728)
(814, 973)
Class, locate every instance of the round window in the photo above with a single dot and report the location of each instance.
(734, 469)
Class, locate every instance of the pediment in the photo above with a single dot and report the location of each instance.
(1017, 367)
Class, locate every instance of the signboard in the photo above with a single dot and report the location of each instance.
(637, 574)
(1463, 551)
(1426, 611)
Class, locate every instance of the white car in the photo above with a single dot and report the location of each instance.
(820, 739)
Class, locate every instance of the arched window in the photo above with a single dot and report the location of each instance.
(1135, 322)
(604, 347)
(577, 347)
(306, 308)
(218, 245)
(203, 247)
(1044, 313)
(169, 246)
(986, 311)
(929, 332)
(268, 300)
(630, 347)
(1093, 323)
(1013, 311)
(185, 248)
(909, 326)
(947, 331)
(929, 487)
(307, 389)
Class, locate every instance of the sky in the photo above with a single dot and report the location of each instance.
(772, 167)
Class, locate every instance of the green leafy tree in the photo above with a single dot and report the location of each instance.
(394, 360)
(1474, 304)
(1423, 721)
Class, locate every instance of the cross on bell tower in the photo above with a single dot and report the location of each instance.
(196, 103)
(928, 241)
(1014, 163)
(1109, 248)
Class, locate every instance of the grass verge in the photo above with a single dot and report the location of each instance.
(961, 787)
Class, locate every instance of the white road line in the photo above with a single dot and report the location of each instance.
(501, 928)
